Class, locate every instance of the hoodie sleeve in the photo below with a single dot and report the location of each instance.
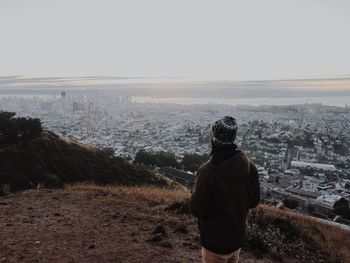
(254, 186)
(199, 201)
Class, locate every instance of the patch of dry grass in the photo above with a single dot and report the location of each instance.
(46, 135)
(146, 193)
(291, 229)
(331, 237)
(82, 145)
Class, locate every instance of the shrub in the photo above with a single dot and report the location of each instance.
(341, 207)
(13, 130)
(160, 159)
(289, 203)
(192, 161)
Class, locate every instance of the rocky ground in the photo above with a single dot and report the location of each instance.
(92, 224)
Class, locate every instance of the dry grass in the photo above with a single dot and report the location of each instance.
(146, 193)
(331, 237)
(46, 135)
(85, 146)
(328, 238)
(286, 233)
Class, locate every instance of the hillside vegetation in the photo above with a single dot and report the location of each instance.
(52, 161)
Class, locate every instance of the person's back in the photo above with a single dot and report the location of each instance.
(226, 187)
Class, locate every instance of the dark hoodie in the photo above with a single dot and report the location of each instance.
(225, 189)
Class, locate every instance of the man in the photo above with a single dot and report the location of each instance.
(226, 187)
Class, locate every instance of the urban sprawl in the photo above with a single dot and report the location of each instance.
(301, 151)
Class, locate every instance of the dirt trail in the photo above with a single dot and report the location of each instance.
(75, 225)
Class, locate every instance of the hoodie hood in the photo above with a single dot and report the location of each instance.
(232, 169)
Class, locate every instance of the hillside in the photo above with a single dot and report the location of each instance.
(89, 223)
(85, 205)
(52, 161)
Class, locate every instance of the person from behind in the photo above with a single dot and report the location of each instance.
(226, 187)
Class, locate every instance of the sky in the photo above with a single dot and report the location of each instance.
(199, 40)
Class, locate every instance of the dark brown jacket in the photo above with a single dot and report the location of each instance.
(222, 195)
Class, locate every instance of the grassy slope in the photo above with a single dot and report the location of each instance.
(53, 161)
(90, 223)
(271, 232)
(281, 233)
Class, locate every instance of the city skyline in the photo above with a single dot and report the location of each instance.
(183, 88)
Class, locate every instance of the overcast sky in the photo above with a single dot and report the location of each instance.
(232, 40)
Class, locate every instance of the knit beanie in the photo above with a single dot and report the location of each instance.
(223, 131)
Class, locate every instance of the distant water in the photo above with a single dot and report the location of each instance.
(330, 101)
(27, 96)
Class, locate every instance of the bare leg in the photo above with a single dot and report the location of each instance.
(210, 257)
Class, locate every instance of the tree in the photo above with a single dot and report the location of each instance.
(28, 128)
(289, 203)
(341, 207)
(13, 130)
(143, 157)
(7, 115)
(192, 161)
(340, 149)
(166, 159)
(161, 159)
(259, 133)
(347, 185)
(8, 130)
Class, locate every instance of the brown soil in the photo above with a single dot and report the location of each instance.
(87, 224)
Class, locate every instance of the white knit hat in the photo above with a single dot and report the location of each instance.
(224, 131)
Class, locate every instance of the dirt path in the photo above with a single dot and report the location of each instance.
(93, 226)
